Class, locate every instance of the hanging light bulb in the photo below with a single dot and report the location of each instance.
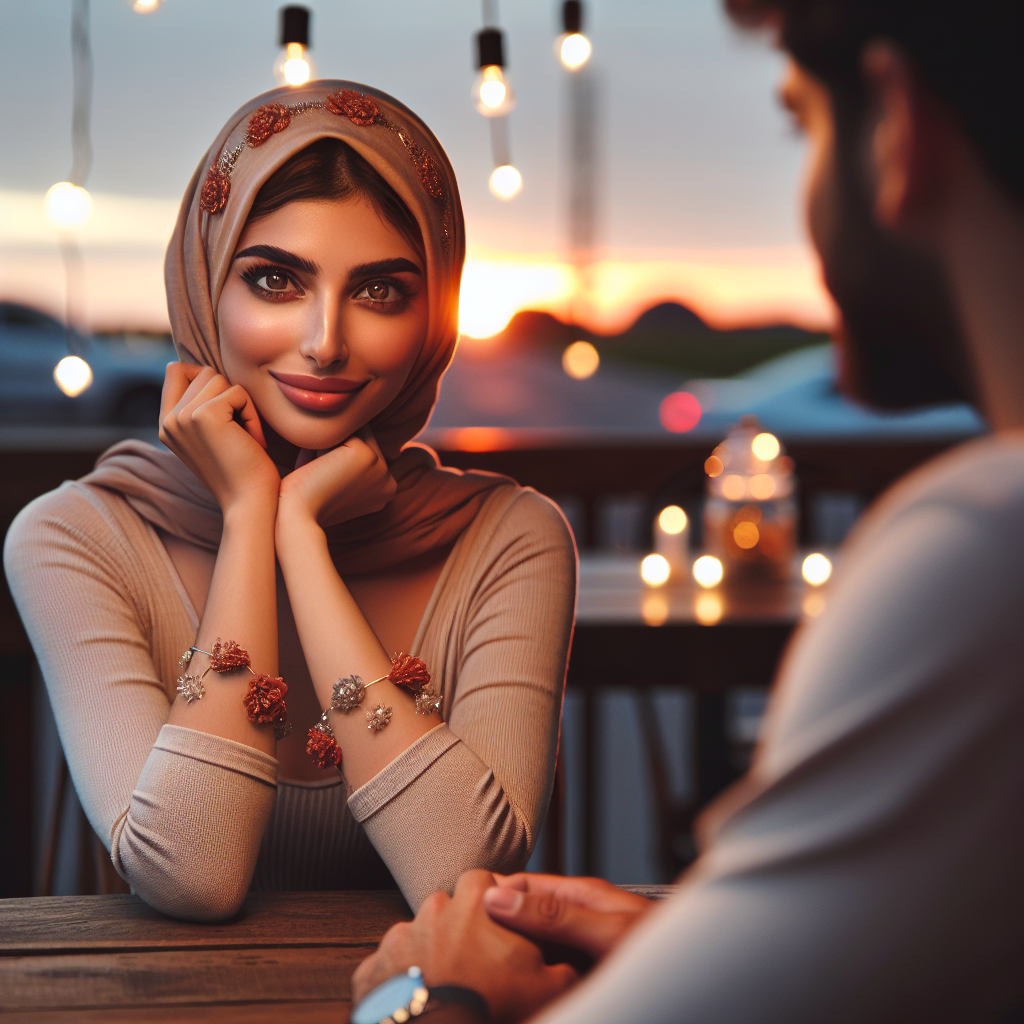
(145, 6)
(68, 207)
(505, 182)
(492, 92)
(572, 47)
(294, 66)
(73, 375)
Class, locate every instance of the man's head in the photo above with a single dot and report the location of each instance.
(959, 63)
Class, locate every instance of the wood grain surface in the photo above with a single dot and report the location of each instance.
(286, 956)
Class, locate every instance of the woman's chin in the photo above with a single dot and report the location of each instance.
(318, 436)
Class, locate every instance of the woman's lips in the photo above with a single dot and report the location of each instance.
(317, 394)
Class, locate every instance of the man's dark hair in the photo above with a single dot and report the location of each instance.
(969, 53)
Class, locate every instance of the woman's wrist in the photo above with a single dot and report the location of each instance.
(251, 513)
(296, 528)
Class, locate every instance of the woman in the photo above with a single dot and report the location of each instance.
(313, 289)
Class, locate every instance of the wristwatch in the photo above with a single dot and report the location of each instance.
(404, 996)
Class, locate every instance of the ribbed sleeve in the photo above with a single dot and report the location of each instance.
(501, 650)
(182, 812)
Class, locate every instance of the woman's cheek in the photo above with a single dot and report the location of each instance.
(252, 334)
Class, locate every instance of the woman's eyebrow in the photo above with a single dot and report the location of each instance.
(282, 256)
(398, 265)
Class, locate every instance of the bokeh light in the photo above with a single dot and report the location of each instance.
(68, 206)
(73, 375)
(762, 486)
(654, 609)
(813, 604)
(655, 570)
(765, 446)
(580, 360)
(746, 535)
(708, 608)
(714, 466)
(708, 571)
(145, 6)
(672, 519)
(679, 412)
(734, 487)
(816, 569)
(505, 182)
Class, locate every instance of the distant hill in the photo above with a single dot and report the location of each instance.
(669, 336)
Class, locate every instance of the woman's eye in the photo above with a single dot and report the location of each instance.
(275, 282)
(379, 291)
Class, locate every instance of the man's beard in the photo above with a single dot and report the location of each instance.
(900, 342)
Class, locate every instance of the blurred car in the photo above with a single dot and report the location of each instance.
(128, 373)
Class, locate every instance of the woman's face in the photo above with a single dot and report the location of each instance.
(321, 318)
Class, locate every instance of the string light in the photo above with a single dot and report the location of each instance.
(708, 571)
(73, 375)
(294, 66)
(816, 569)
(505, 182)
(765, 447)
(68, 207)
(672, 519)
(145, 6)
(493, 95)
(573, 47)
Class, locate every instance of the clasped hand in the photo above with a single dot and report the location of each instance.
(489, 936)
(214, 428)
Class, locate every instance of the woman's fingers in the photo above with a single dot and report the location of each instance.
(177, 378)
(592, 893)
(546, 917)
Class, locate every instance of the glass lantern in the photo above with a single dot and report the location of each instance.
(750, 516)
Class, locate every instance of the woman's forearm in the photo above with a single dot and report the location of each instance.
(338, 641)
(241, 606)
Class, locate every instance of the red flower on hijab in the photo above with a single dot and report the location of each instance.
(359, 109)
(267, 120)
(216, 189)
(430, 173)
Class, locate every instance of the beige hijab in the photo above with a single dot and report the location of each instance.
(433, 505)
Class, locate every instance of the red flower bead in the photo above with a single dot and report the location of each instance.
(409, 672)
(228, 656)
(267, 120)
(264, 700)
(216, 189)
(359, 109)
(430, 174)
(323, 748)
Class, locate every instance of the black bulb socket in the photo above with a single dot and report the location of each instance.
(295, 25)
(572, 16)
(490, 48)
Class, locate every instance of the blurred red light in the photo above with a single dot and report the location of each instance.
(679, 412)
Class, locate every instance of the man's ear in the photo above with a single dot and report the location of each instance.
(909, 139)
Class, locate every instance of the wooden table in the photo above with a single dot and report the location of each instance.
(286, 957)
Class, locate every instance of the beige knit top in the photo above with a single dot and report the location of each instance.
(193, 820)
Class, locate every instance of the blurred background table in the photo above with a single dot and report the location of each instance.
(287, 956)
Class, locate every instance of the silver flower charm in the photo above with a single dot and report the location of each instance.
(378, 718)
(191, 688)
(427, 701)
(348, 694)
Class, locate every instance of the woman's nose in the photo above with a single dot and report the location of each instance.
(325, 342)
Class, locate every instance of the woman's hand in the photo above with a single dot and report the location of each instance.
(213, 427)
(344, 483)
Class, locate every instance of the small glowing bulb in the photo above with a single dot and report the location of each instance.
(294, 66)
(492, 93)
(746, 535)
(655, 570)
(145, 6)
(575, 50)
(505, 182)
(734, 487)
(68, 206)
(73, 375)
(816, 569)
(580, 360)
(765, 447)
(762, 486)
(672, 519)
(708, 571)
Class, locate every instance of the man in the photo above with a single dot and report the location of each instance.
(869, 867)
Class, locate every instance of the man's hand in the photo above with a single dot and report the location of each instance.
(454, 942)
(588, 914)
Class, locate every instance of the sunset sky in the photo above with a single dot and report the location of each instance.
(699, 168)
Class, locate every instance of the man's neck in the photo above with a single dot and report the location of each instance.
(983, 247)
